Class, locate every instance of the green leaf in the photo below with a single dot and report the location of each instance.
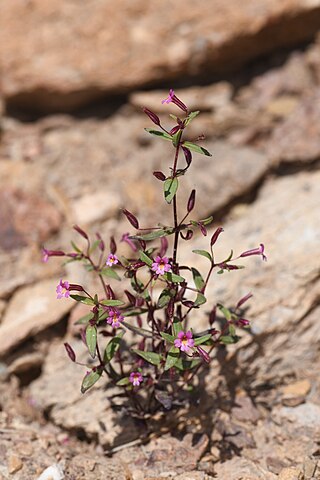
(191, 116)
(75, 247)
(204, 253)
(112, 303)
(172, 358)
(110, 272)
(151, 357)
(176, 138)
(172, 277)
(162, 232)
(139, 331)
(232, 330)
(197, 278)
(80, 298)
(200, 300)
(165, 297)
(229, 257)
(158, 133)
(90, 379)
(123, 382)
(144, 258)
(176, 327)
(91, 339)
(170, 188)
(227, 339)
(207, 221)
(201, 340)
(112, 347)
(183, 364)
(196, 148)
(226, 312)
(94, 246)
(167, 337)
(85, 319)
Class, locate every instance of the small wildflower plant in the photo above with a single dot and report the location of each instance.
(166, 351)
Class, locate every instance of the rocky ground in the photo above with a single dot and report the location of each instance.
(73, 150)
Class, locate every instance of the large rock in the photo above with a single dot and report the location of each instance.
(57, 56)
(31, 310)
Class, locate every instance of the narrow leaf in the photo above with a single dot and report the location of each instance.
(200, 300)
(183, 364)
(139, 331)
(123, 382)
(227, 339)
(201, 340)
(204, 253)
(157, 133)
(172, 358)
(85, 319)
(190, 117)
(85, 300)
(226, 312)
(110, 272)
(144, 258)
(197, 278)
(112, 347)
(170, 188)
(90, 379)
(172, 277)
(176, 327)
(167, 337)
(162, 232)
(91, 339)
(112, 303)
(151, 357)
(196, 148)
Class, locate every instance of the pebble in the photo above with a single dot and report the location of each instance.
(54, 472)
(289, 473)
(14, 464)
(295, 393)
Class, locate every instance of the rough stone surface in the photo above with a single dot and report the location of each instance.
(31, 310)
(76, 58)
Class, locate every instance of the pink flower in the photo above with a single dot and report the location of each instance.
(174, 99)
(135, 378)
(169, 98)
(63, 290)
(51, 253)
(114, 317)
(255, 251)
(161, 265)
(112, 260)
(184, 341)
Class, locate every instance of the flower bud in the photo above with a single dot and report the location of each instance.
(215, 236)
(203, 354)
(131, 298)
(80, 231)
(175, 130)
(191, 201)
(70, 352)
(113, 245)
(101, 243)
(153, 117)
(111, 294)
(160, 176)
(187, 154)
(187, 236)
(74, 286)
(243, 300)
(255, 251)
(131, 218)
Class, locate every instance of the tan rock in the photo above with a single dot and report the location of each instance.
(290, 473)
(297, 138)
(14, 464)
(31, 310)
(295, 393)
(96, 206)
(45, 73)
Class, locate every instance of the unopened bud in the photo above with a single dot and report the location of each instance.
(160, 176)
(70, 352)
(244, 299)
(191, 201)
(111, 295)
(113, 245)
(153, 117)
(101, 242)
(203, 354)
(131, 218)
(187, 154)
(215, 236)
(80, 231)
